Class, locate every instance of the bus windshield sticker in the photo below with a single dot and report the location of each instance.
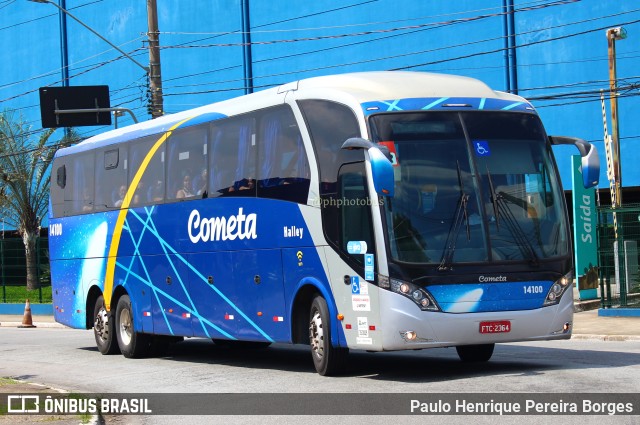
(392, 150)
(368, 267)
(481, 147)
(356, 247)
(428, 193)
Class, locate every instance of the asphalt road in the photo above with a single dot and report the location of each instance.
(68, 359)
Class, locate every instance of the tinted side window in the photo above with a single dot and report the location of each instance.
(58, 184)
(283, 171)
(330, 124)
(233, 158)
(352, 214)
(151, 188)
(79, 196)
(111, 174)
(187, 168)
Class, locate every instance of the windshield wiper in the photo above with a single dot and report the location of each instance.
(494, 200)
(500, 209)
(459, 214)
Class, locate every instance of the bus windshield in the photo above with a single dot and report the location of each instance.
(471, 187)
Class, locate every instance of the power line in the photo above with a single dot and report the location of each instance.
(376, 59)
(519, 46)
(369, 32)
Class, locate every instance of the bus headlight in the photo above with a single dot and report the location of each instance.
(420, 296)
(557, 290)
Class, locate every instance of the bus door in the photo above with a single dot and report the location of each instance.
(352, 257)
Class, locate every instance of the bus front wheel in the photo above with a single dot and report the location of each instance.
(132, 344)
(104, 329)
(475, 353)
(327, 359)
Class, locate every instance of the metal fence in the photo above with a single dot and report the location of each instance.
(13, 271)
(618, 256)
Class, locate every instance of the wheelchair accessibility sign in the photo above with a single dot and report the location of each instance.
(481, 147)
(359, 287)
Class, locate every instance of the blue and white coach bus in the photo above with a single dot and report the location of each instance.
(370, 211)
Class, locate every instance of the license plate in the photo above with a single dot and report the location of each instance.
(500, 326)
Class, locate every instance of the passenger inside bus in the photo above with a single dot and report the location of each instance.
(200, 183)
(185, 190)
(120, 196)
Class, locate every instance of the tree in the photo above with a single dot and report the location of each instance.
(24, 182)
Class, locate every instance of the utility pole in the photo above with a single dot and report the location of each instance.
(155, 75)
(246, 47)
(614, 34)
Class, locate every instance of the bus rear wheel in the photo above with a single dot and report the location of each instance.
(327, 359)
(104, 329)
(132, 344)
(475, 353)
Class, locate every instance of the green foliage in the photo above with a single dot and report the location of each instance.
(24, 180)
(19, 294)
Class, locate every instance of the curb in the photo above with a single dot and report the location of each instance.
(616, 338)
(50, 325)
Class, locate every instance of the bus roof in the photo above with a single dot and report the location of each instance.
(361, 87)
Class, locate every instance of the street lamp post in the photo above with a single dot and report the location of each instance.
(614, 34)
(155, 83)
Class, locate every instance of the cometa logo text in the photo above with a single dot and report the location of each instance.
(216, 229)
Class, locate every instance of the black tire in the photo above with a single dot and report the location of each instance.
(104, 328)
(132, 344)
(475, 353)
(241, 345)
(327, 359)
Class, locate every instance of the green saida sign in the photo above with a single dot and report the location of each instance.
(584, 234)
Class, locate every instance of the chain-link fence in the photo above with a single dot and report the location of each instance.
(13, 272)
(618, 251)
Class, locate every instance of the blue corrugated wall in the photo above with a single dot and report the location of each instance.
(560, 54)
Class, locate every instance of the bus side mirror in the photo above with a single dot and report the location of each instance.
(590, 158)
(381, 168)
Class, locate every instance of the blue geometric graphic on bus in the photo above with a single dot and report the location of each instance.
(445, 103)
(210, 281)
(481, 147)
(485, 297)
(168, 249)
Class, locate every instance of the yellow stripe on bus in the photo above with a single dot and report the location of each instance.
(117, 231)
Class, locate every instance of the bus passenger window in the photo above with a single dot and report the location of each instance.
(79, 191)
(57, 188)
(153, 172)
(284, 168)
(187, 151)
(111, 175)
(330, 124)
(233, 159)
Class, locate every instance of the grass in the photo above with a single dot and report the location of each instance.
(7, 381)
(19, 294)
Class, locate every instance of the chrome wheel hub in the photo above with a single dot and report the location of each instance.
(316, 335)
